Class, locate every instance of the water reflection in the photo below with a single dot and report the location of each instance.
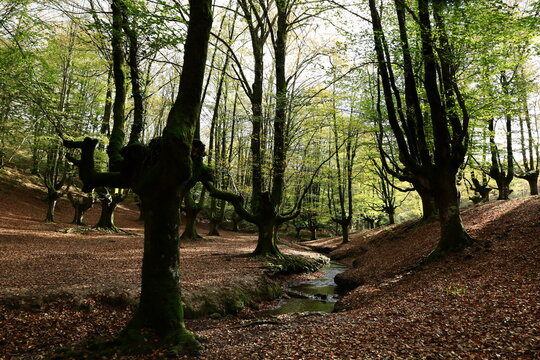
(311, 295)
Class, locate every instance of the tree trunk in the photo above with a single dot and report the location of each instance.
(313, 233)
(160, 303)
(190, 231)
(453, 234)
(429, 207)
(214, 228)
(235, 220)
(532, 179)
(391, 217)
(214, 221)
(106, 219)
(78, 216)
(345, 232)
(192, 210)
(266, 242)
(503, 187)
(51, 205)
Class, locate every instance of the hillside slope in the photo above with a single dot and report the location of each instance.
(482, 303)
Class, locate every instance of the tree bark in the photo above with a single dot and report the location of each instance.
(116, 140)
(532, 179)
(160, 303)
(266, 241)
(345, 232)
(190, 220)
(429, 207)
(51, 204)
(391, 216)
(106, 219)
(453, 234)
(160, 174)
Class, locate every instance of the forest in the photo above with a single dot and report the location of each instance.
(254, 179)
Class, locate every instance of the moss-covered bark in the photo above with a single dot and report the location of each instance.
(160, 306)
(160, 175)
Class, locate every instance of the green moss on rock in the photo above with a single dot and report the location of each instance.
(296, 264)
(229, 299)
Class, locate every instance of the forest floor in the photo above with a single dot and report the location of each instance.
(60, 288)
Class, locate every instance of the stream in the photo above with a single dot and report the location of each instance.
(311, 295)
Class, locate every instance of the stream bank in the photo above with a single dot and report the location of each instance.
(313, 295)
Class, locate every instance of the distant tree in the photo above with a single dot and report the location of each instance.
(55, 178)
(530, 159)
(81, 202)
(385, 191)
(433, 170)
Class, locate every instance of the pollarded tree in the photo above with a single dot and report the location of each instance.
(433, 169)
(160, 175)
(266, 196)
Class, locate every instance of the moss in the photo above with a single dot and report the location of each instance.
(229, 300)
(215, 315)
(296, 264)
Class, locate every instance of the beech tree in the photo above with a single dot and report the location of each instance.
(530, 167)
(432, 169)
(160, 174)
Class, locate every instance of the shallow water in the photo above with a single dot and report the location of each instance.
(320, 293)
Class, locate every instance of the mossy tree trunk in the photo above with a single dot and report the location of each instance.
(160, 303)
(235, 221)
(160, 174)
(214, 219)
(266, 241)
(345, 232)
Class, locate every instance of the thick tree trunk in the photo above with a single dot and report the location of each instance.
(266, 242)
(214, 228)
(532, 179)
(503, 187)
(160, 303)
(391, 217)
(190, 231)
(190, 221)
(453, 234)
(214, 219)
(106, 219)
(429, 207)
